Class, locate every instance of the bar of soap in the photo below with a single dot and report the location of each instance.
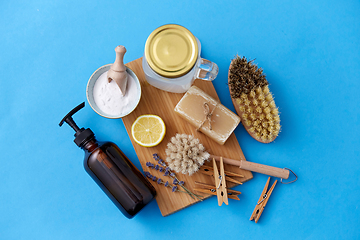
(192, 107)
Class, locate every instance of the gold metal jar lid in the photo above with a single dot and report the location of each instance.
(171, 50)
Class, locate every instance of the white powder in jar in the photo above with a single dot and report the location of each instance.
(108, 98)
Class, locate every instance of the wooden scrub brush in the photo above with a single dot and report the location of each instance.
(185, 154)
(252, 100)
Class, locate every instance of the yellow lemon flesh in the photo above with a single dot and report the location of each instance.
(148, 130)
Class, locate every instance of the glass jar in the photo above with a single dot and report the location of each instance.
(172, 59)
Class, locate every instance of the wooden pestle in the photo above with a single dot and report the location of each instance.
(256, 167)
(117, 71)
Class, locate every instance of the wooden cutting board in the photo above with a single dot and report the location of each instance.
(162, 103)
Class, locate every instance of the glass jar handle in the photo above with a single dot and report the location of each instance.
(207, 70)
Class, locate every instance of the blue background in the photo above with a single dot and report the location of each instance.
(309, 51)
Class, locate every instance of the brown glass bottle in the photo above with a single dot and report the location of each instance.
(108, 166)
(117, 176)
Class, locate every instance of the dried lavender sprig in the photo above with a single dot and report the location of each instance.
(187, 190)
(173, 176)
(160, 181)
(156, 167)
(159, 160)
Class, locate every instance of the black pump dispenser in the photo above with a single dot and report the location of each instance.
(81, 135)
(114, 173)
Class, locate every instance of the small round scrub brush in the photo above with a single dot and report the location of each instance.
(253, 101)
(185, 154)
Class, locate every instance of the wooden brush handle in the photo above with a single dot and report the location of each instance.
(256, 167)
(264, 169)
(227, 160)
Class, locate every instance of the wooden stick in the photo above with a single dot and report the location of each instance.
(210, 189)
(256, 167)
(207, 170)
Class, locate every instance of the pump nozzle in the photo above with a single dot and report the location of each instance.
(68, 118)
(81, 134)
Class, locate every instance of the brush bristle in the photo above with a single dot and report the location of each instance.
(261, 119)
(245, 77)
(256, 105)
(185, 154)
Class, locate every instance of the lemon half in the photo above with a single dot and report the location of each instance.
(148, 130)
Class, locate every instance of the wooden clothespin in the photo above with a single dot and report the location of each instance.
(264, 198)
(220, 183)
(211, 189)
(207, 170)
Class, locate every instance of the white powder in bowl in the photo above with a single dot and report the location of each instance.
(108, 98)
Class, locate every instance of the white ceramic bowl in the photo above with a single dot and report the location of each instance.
(90, 88)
